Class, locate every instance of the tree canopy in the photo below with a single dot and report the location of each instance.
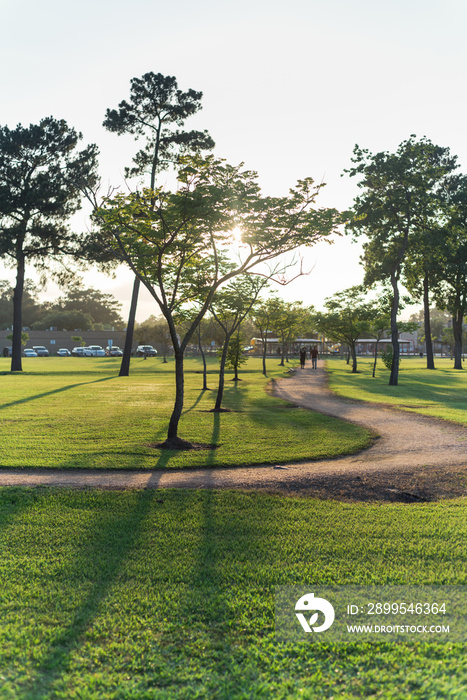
(397, 211)
(178, 242)
(39, 169)
(155, 113)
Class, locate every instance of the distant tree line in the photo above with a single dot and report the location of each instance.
(78, 308)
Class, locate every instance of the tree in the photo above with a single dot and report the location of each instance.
(31, 307)
(379, 321)
(78, 339)
(177, 242)
(399, 204)
(103, 308)
(80, 307)
(65, 320)
(39, 166)
(235, 357)
(263, 318)
(155, 110)
(288, 321)
(378, 328)
(451, 293)
(348, 317)
(230, 306)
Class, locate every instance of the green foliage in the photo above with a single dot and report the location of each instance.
(31, 307)
(170, 594)
(39, 167)
(65, 320)
(100, 307)
(41, 173)
(235, 357)
(154, 111)
(24, 337)
(349, 316)
(387, 356)
(398, 211)
(400, 201)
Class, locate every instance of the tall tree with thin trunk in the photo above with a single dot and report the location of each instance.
(230, 306)
(398, 205)
(39, 167)
(154, 112)
(452, 292)
(262, 317)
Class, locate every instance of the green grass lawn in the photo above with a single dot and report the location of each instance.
(170, 594)
(76, 412)
(441, 393)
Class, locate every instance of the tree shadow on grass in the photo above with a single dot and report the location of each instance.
(101, 560)
(193, 406)
(53, 391)
(214, 439)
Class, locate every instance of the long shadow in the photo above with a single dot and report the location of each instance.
(214, 438)
(102, 559)
(201, 394)
(54, 391)
(14, 500)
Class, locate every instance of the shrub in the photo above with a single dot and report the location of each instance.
(386, 357)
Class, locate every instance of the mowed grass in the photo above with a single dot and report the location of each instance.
(441, 393)
(77, 413)
(170, 594)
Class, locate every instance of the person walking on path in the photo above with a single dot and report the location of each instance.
(314, 354)
(302, 358)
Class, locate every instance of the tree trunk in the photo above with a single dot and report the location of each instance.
(265, 347)
(376, 356)
(281, 363)
(205, 370)
(457, 323)
(394, 376)
(16, 345)
(353, 351)
(173, 441)
(430, 362)
(125, 366)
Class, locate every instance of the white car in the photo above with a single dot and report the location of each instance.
(29, 352)
(81, 352)
(63, 352)
(96, 350)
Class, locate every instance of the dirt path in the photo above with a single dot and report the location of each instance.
(415, 458)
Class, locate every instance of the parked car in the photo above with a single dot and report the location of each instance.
(40, 350)
(81, 352)
(6, 352)
(63, 352)
(114, 351)
(96, 350)
(145, 351)
(29, 352)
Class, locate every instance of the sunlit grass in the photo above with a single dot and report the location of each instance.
(441, 393)
(76, 412)
(169, 594)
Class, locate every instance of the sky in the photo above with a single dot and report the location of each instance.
(288, 88)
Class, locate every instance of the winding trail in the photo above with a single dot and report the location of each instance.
(415, 458)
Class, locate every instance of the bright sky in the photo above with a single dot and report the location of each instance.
(288, 87)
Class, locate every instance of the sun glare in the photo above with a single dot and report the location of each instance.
(236, 234)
